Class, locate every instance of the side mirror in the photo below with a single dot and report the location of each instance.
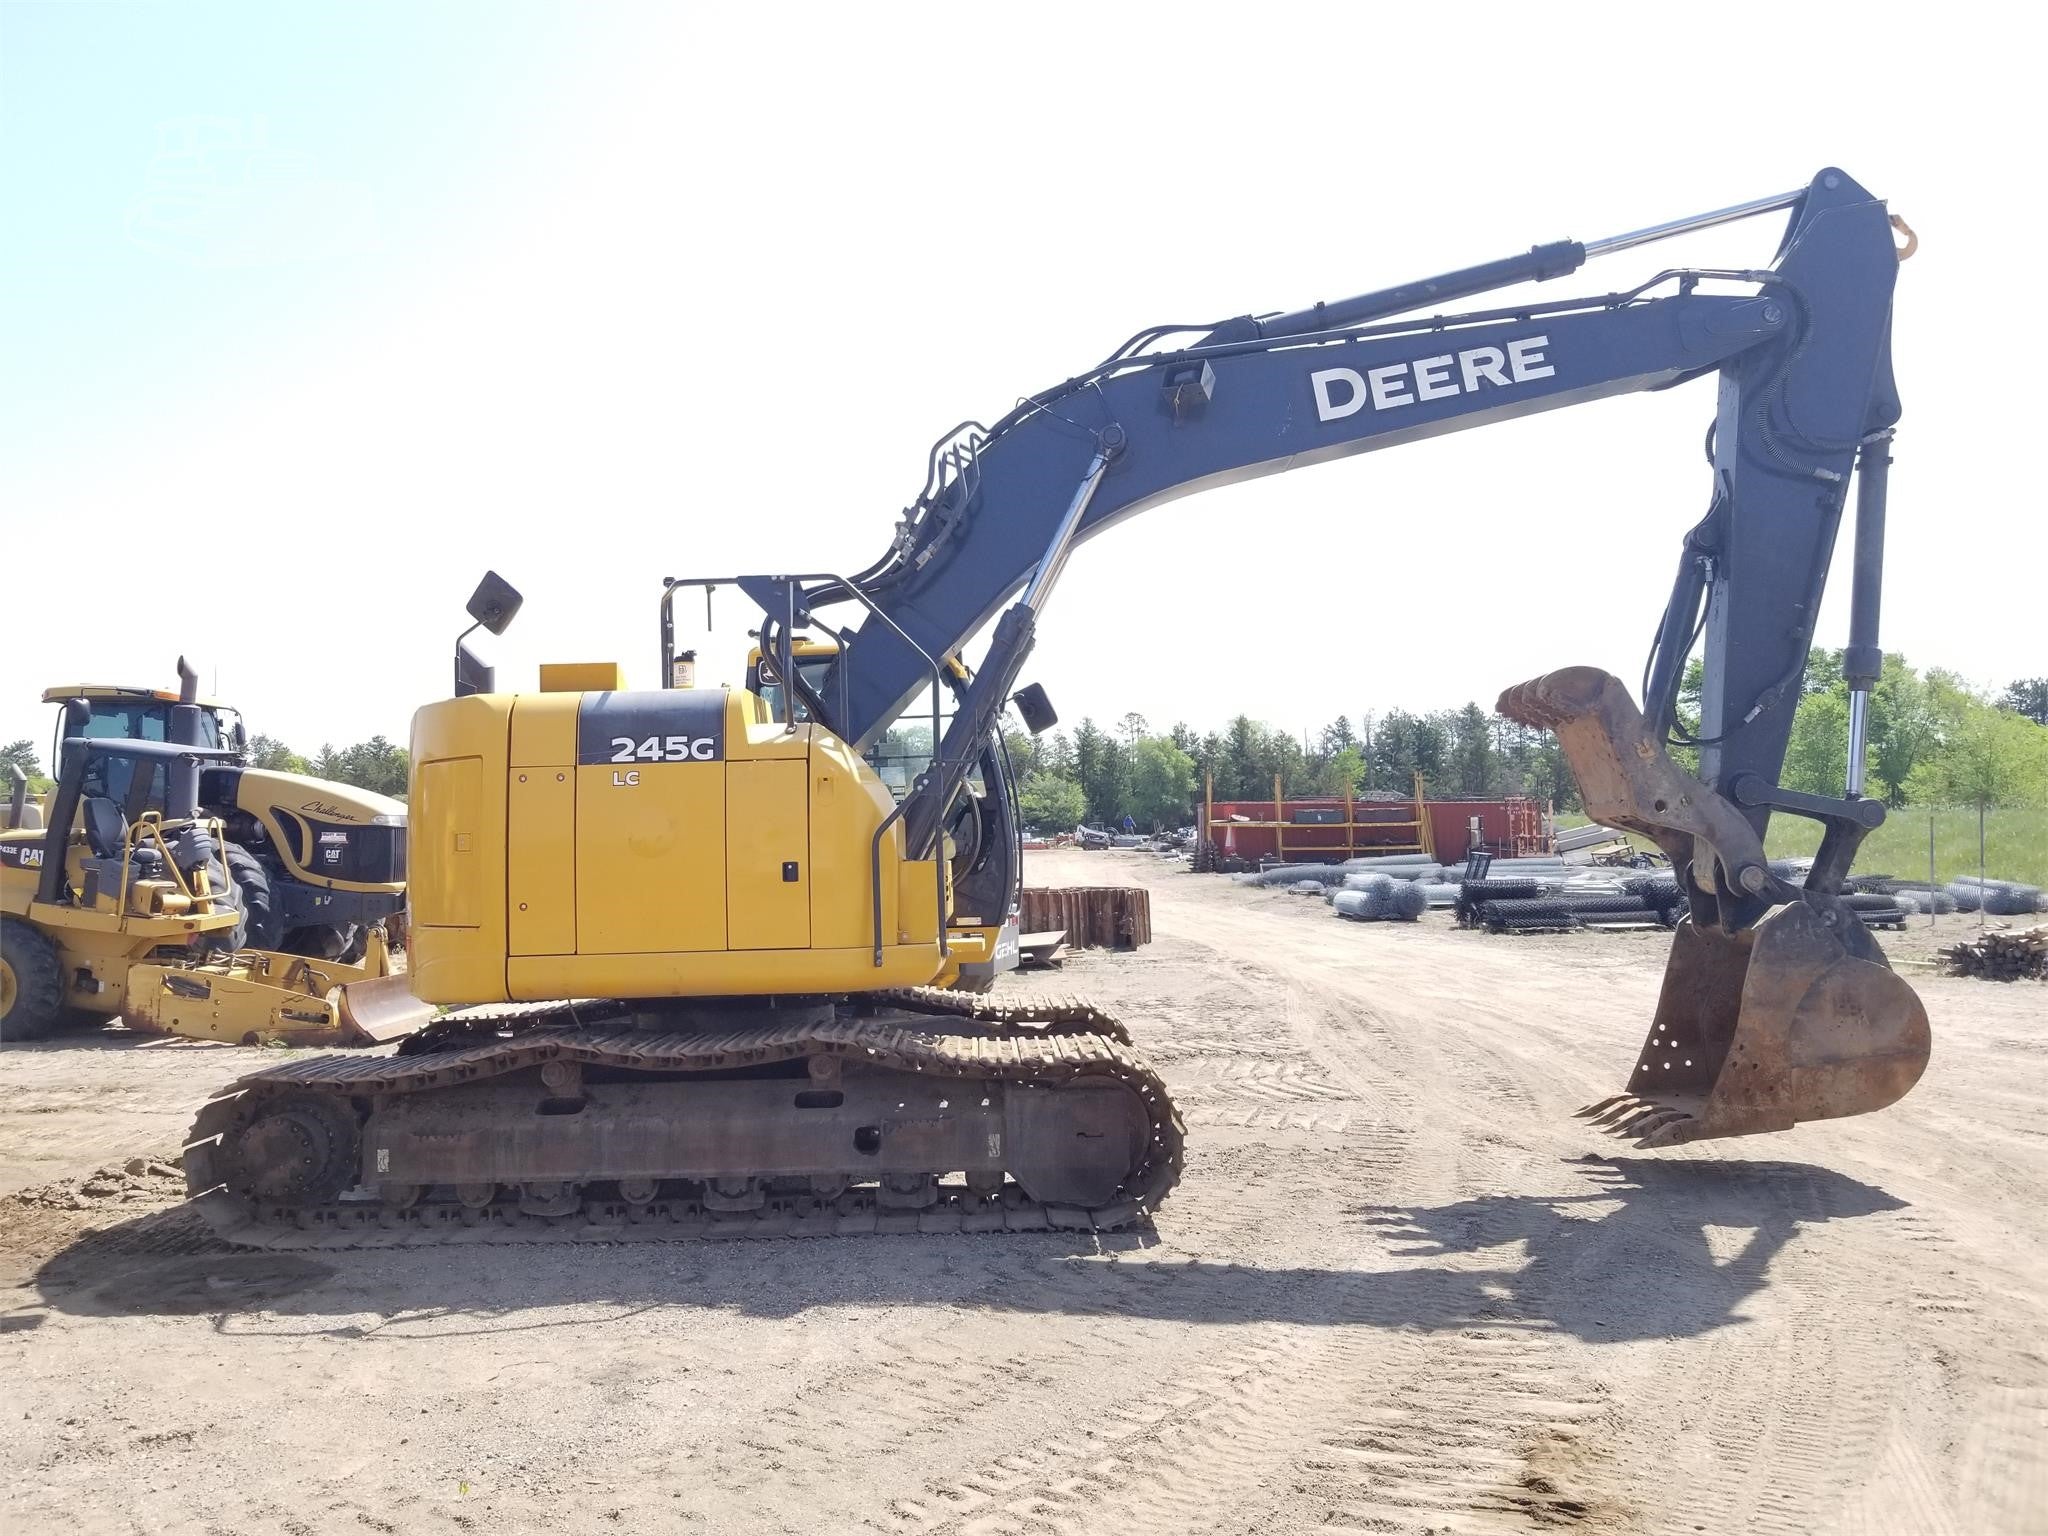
(472, 673)
(494, 603)
(238, 738)
(1036, 708)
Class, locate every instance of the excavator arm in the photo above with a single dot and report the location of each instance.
(1803, 359)
(1768, 971)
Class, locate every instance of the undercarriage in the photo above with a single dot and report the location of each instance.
(908, 1111)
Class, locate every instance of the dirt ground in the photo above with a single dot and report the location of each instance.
(1400, 1290)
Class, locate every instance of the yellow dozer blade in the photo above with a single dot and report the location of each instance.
(381, 1009)
(1793, 1016)
(256, 997)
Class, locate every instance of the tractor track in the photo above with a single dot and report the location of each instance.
(1042, 1045)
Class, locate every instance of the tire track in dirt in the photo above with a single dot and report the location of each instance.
(1477, 1429)
(1165, 1460)
(1778, 1417)
(1778, 1424)
(1085, 1335)
(1400, 1427)
(1259, 1082)
(2004, 1470)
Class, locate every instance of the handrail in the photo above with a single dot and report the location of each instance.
(670, 584)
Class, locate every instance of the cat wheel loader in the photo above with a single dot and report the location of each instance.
(709, 974)
(127, 907)
(320, 865)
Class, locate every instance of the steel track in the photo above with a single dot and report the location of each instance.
(910, 1030)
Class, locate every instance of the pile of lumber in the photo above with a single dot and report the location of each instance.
(1091, 916)
(2002, 956)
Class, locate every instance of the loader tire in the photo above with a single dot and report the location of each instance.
(226, 941)
(264, 927)
(31, 983)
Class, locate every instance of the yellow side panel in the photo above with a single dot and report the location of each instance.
(540, 861)
(448, 840)
(917, 895)
(847, 803)
(650, 858)
(582, 677)
(767, 855)
(544, 730)
(455, 834)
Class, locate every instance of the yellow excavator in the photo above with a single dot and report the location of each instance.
(706, 972)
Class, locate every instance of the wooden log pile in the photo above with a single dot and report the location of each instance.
(1093, 916)
(2002, 956)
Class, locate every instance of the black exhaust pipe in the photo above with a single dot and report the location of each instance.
(187, 729)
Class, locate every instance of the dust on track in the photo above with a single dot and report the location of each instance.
(1399, 1289)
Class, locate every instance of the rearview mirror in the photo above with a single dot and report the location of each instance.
(1036, 708)
(494, 602)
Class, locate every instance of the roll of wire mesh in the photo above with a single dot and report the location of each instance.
(1408, 901)
(1475, 893)
(1360, 906)
(1534, 922)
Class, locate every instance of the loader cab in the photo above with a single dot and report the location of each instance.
(139, 714)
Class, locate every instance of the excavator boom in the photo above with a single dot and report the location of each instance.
(1807, 405)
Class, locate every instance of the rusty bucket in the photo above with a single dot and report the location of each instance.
(1796, 1019)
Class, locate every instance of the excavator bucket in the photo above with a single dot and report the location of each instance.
(381, 1009)
(1794, 1017)
(1791, 1020)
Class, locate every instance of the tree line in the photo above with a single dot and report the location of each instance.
(1157, 779)
(1931, 740)
(376, 764)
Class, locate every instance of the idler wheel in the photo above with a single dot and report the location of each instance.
(294, 1150)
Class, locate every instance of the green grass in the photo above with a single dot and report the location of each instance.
(2015, 842)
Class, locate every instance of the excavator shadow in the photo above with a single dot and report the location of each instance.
(1621, 1249)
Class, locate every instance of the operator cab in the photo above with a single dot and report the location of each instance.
(814, 660)
(904, 750)
(138, 714)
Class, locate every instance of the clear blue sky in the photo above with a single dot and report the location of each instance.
(309, 313)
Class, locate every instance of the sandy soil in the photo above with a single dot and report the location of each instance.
(1400, 1290)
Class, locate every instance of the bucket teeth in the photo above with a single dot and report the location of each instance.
(1652, 1123)
(1617, 1110)
(1647, 1122)
(1674, 1128)
(1637, 1120)
(1596, 1110)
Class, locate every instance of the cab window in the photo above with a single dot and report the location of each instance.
(135, 721)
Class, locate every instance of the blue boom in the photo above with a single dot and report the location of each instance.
(1777, 1006)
